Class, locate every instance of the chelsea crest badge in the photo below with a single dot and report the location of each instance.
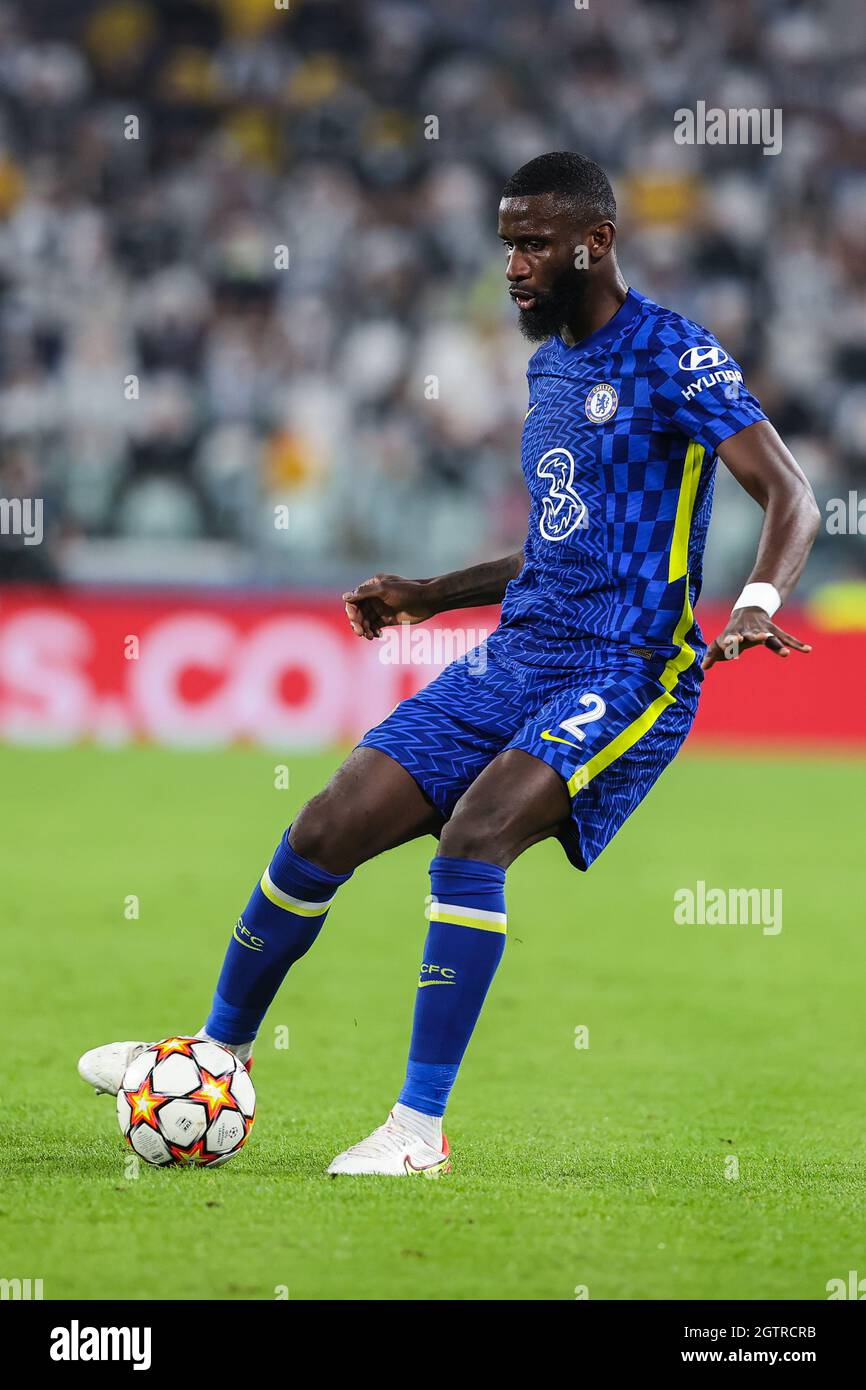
(601, 403)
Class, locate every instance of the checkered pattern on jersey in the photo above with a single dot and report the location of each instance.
(605, 483)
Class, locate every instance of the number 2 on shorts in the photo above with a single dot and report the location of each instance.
(595, 708)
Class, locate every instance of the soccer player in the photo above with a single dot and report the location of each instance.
(561, 723)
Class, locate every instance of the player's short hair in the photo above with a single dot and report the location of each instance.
(572, 176)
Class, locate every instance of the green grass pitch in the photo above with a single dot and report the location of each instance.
(609, 1167)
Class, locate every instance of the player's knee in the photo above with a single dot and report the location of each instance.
(480, 834)
(322, 832)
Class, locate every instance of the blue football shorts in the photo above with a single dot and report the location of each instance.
(609, 724)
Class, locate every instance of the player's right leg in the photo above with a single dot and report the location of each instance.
(371, 804)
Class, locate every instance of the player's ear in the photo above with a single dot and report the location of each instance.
(600, 240)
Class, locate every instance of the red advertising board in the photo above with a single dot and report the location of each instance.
(287, 671)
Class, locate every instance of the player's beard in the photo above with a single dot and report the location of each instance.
(561, 304)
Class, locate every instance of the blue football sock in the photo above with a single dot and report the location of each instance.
(464, 946)
(278, 925)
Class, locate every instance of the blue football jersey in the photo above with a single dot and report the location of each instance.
(619, 454)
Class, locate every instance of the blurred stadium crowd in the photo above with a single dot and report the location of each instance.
(376, 386)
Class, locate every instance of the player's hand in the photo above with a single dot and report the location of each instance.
(750, 627)
(386, 600)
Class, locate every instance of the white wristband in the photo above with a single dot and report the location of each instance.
(764, 596)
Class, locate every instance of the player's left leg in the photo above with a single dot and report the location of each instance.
(402, 781)
(515, 802)
(576, 768)
(370, 805)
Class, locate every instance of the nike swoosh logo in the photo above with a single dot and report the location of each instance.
(554, 738)
(419, 1168)
(422, 984)
(529, 411)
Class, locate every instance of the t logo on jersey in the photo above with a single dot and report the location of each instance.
(696, 359)
(562, 510)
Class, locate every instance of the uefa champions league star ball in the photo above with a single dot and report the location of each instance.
(186, 1101)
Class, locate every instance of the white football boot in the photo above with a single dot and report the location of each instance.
(394, 1151)
(103, 1067)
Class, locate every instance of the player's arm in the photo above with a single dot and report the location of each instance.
(386, 599)
(765, 468)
